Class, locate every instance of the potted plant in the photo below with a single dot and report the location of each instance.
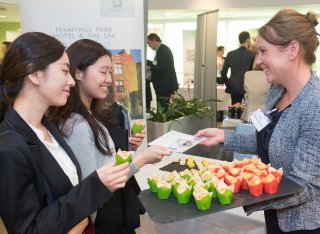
(182, 115)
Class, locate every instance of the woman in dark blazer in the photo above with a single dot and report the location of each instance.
(39, 174)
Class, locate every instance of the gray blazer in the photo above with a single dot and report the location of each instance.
(294, 146)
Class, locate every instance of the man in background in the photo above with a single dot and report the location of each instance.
(239, 61)
(220, 62)
(163, 73)
(4, 48)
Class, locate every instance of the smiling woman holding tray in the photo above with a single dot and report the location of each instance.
(287, 45)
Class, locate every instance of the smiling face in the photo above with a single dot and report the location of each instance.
(94, 82)
(55, 82)
(274, 60)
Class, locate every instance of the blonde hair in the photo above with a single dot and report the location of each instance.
(288, 25)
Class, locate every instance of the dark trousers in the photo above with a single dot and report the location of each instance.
(272, 225)
(148, 94)
(236, 98)
(163, 99)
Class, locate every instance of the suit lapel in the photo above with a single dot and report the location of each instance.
(44, 159)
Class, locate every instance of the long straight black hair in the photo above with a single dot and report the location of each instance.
(30, 52)
(82, 54)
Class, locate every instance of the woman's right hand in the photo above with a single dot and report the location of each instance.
(213, 136)
(151, 154)
(112, 176)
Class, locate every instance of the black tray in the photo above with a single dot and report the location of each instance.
(168, 211)
(175, 166)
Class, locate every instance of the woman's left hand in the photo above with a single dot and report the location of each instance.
(137, 139)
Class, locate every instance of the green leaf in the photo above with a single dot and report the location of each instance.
(180, 107)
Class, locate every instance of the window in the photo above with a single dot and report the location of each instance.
(118, 68)
(120, 86)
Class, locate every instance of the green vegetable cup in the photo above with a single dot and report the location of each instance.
(153, 184)
(225, 197)
(137, 127)
(123, 156)
(174, 189)
(186, 174)
(213, 189)
(175, 184)
(171, 176)
(204, 203)
(164, 192)
(194, 180)
(207, 176)
(183, 195)
(206, 186)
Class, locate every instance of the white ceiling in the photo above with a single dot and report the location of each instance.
(10, 9)
(177, 15)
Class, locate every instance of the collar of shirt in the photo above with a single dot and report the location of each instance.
(40, 135)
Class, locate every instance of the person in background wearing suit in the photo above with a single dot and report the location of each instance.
(239, 61)
(163, 73)
(5, 46)
(4, 49)
(286, 45)
(220, 62)
(39, 174)
(92, 133)
(148, 88)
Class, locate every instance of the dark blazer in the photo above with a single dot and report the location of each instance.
(163, 73)
(121, 215)
(239, 61)
(31, 179)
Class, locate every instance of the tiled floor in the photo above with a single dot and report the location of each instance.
(229, 222)
(221, 223)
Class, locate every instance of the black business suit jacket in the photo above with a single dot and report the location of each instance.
(239, 61)
(31, 179)
(163, 73)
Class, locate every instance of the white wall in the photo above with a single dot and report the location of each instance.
(218, 4)
(227, 35)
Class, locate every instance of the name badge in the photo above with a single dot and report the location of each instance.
(260, 119)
